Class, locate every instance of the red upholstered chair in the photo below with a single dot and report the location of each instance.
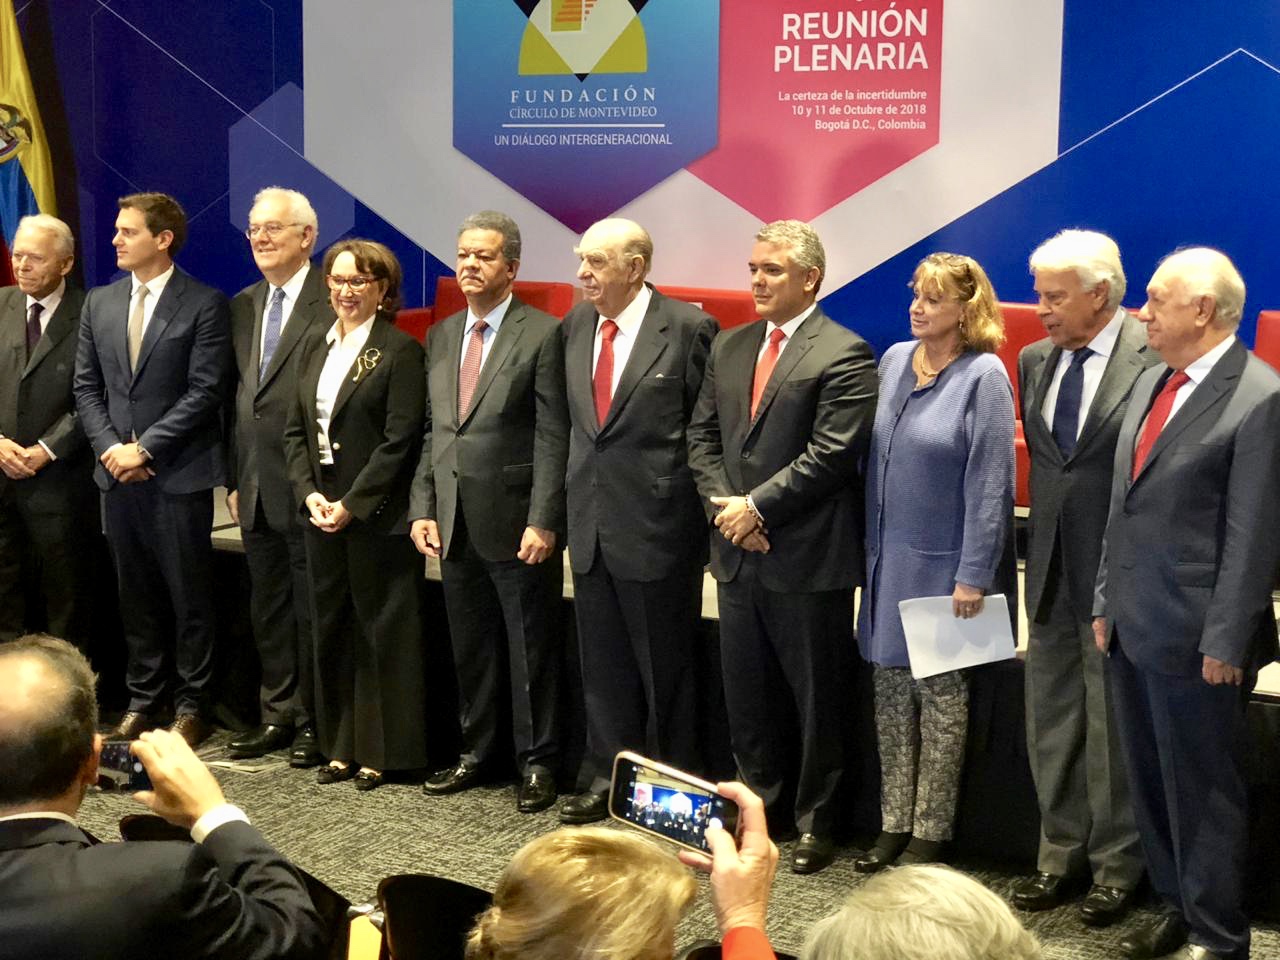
(731, 308)
(553, 298)
(416, 321)
(1021, 327)
(1267, 343)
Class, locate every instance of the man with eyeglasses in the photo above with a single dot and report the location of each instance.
(269, 321)
(47, 502)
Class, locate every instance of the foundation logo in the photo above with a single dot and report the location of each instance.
(15, 132)
(583, 105)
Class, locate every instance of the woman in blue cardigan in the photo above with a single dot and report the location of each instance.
(939, 501)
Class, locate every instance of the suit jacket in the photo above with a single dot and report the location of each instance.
(506, 458)
(628, 483)
(801, 456)
(1069, 497)
(255, 452)
(36, 402)
(1191, 551)
(173, 402)
(375, 430)
(231, 896)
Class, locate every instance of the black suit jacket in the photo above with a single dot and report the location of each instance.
(628, 485)
(1069, 498)
(232, 896)
(36, 402)
(506, 459)
(174, 401)
(375, 431)
(255, 452)
(800, 458)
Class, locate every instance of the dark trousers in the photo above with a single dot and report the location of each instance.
(504, 622)
(164, 559)
(1183, 744)
(280, 607)
(45, 568)
(785, 658)
(636, 647)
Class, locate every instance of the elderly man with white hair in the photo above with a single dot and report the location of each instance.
(1183, 599)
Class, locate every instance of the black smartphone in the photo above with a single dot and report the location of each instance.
(118, 769)
(667, 802)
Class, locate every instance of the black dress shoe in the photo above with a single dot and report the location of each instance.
(331, 774)
(1103, 906)
(131, 725)
(1165, 934)
(883, 852)
(812, 853)
(306, 749)
(1044, 891)
(256, 743)
(451, 780)
(923, 851)
(536, 792)
(192, 729)
(585, 808)
(369, 780)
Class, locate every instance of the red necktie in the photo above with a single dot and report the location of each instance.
(469, 375)
(1156, 418)
(764, 367)
(602, 383)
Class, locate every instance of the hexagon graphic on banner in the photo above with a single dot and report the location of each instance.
(823, 100)
(583, 105)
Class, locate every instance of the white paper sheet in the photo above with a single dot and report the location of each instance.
(938, 641)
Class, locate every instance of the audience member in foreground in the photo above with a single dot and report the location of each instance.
(925, 912)
(584, 892)
(229, 894)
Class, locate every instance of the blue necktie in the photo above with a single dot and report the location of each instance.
(1066, 413)
(275, 317)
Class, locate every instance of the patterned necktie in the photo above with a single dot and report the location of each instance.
(33, 327)
(1156, 420)
(275, 319)
(602, 383)
(135, 326)
(1066, 412)
(469, 376)
(764, 367)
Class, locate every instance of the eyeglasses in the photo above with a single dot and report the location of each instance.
(355, 283)
(272, 229)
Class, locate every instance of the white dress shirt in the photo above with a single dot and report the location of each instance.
(1197, 370)
(343, 352)
(49, 303)
(292, 289)
(208, 822)
(493, 319)
(1102, 345)
(788, 331)
(155, 287)
(628, 322)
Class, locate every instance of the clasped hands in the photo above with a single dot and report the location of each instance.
(127, 463)
(739, 525)
(329, 515)
(19, 462)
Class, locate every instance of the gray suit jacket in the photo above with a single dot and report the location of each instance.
(255, 453)
(1191, 549)
(1069, 498)
(506, 458)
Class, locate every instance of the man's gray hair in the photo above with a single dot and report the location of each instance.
(299, 207)
(1206, 272)
(802, 240)
(499, 222)
(62, 237)
(1093, 256)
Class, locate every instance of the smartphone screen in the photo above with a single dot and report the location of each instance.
(118, 769)
(668, 802)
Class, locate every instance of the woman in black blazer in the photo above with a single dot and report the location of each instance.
(351, 446)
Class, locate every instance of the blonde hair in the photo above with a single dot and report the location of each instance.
(921, 912)
(955, 275)
(586, 893)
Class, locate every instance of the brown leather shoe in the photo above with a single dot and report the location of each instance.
(131, 726)
(192, 729)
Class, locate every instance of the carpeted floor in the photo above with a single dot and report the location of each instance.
(351, 840)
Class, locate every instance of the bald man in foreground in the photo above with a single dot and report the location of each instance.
(1183, 601)
(633, 368)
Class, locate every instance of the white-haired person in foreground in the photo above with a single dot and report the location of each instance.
(921, 912)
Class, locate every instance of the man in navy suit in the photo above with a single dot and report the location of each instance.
(152, 366)
(1183, 599)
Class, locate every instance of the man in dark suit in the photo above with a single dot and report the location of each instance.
(777, 444)
(46, 494)
(633, 366)
(1075, 388)
(152, 367)
(1183, 601)
(488, 501)
(269, 320)
(229, 894)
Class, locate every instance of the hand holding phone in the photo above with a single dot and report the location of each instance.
(119, 769)
(667, 802)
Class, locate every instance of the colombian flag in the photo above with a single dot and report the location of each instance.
(26, 168)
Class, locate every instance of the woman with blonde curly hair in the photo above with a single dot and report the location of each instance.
(586, 893)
